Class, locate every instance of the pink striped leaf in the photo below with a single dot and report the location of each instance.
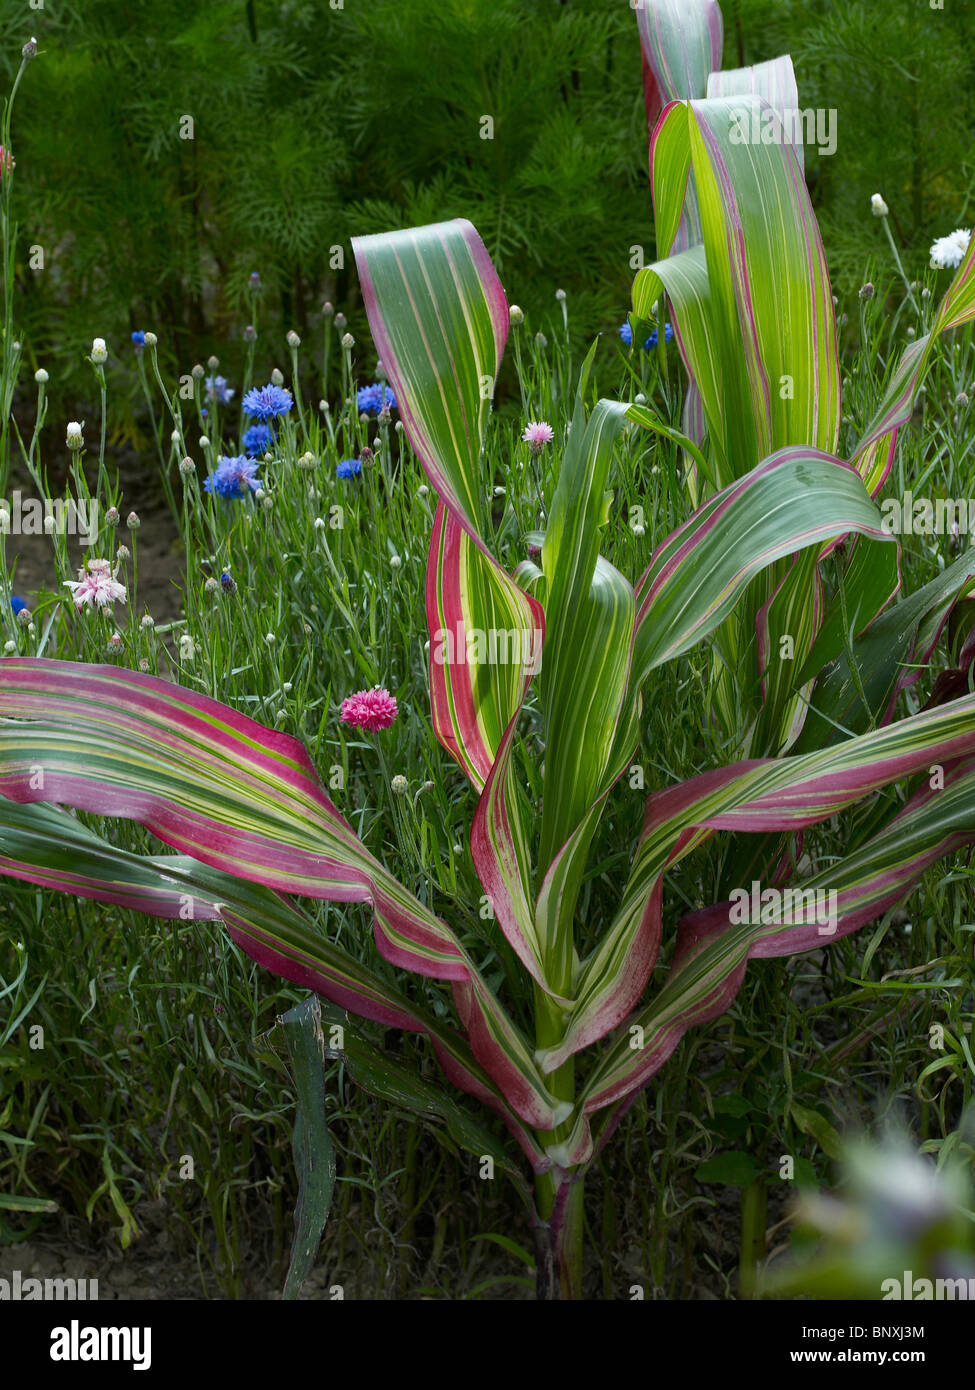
(713, 946)
(681, 43)
(49, 847)
(795, 499)
(775, 81)
(874, 453)
(439, 319)
(220, 787)
(760, 795)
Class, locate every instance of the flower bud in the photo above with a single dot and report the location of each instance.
(328, 309)
(29, 50)
(250, 334)
(340, 320)
(198, 372)
(866, 292)
(878, 207)
(516, 316)
(74, 438)
(41, 377)
(348, 341)
(400, 785)
(99, 352)
(293, 340)
(132, 521)
(112, 516)
(276, 378)
(151, 339)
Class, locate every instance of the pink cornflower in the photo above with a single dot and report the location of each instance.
(96, 588)
(537, 435)
(7, 161)
(369, 709)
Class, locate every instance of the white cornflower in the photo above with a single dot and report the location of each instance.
(74, 438)
(948, 252)
(187, 647)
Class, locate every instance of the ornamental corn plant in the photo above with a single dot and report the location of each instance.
(744, 268)
(246, 813)
(538, 679)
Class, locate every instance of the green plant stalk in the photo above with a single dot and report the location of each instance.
(566, 1244)
(754, 1210)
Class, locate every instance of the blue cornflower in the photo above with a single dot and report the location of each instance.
(371, 399)
(139, 338)
(16, 604)
(257, 439)
(626, 333)
(227, 583)
(233, 477)
(348, 468)
(264, 402)
(218, 390)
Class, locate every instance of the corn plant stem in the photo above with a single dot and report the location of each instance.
(566, 1234)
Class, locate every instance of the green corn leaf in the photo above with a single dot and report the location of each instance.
(313, 1149)
(890, 655)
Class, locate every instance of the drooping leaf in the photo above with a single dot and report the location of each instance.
(43, 845)
(439, 319)
(214, 784)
